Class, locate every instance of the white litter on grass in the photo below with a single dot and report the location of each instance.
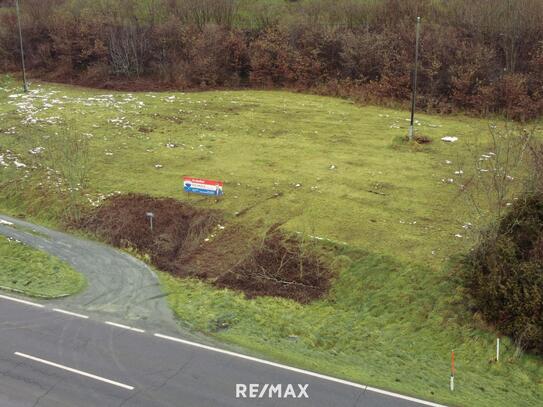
(36, 150)
(449, 139)
(158, 166)
(448, 162)
(458, 235)
(19, 164)
(332, 167)
(459, 172)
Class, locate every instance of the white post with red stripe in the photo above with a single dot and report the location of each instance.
(452, 371)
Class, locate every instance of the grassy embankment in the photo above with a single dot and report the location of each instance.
(32, 272)
(393, 315)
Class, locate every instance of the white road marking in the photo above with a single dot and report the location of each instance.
(5, 297)
(73, 314)
(302, 371)
(125, 327)
(79, 372)
(210, 348)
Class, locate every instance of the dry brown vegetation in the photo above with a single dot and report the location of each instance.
(188, 241)
(481, 56)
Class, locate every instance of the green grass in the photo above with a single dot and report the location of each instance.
(385, 324)
(32, 272)
(393, 315)
(260, 143)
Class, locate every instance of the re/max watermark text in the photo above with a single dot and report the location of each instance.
(270, 391)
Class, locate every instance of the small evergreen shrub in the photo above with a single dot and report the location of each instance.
(503, 275)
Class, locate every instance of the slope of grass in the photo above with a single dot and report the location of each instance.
(341, 173)
(381, 326)
(35, 273)
(393, 315)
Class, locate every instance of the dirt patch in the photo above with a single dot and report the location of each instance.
(422, 139)
(280, 265)
(188, 241)
(177, 228)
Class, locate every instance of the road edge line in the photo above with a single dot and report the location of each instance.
(5, 297)
(302, 371)
(73, 314)
(128, 328)
(72, 370)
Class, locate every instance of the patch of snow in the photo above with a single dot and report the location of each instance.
(449, 139)
(36, 150)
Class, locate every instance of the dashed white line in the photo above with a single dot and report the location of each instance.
(125, 327)
(210, 348)
(302, 371)
(73, 314)
(33, 304)
(72, 370)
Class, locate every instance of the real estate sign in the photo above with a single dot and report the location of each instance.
(202, 186)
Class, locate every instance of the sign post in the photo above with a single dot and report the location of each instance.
(151, 216)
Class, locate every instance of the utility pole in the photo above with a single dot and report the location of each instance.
(25, 86)
(414, 95)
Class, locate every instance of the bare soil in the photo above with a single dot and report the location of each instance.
(193, 242)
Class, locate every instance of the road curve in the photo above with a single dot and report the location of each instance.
(118, 284)
(117, 344)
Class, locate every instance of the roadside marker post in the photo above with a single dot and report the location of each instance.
(452, 371)
(498, 349)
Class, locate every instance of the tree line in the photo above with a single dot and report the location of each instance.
(479, 56)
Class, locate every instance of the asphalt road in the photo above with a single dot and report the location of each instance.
(73, 352)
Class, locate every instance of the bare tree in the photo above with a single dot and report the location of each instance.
(496, 176)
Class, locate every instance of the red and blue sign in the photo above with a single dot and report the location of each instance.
(202, 186)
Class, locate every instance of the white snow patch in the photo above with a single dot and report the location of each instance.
(449, 139)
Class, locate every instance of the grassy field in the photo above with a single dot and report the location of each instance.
(394, 313)
(35, 273)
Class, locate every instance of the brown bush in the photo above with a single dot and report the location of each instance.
(504, 277)
(280, 265)
(188, 241)
(473, 57)
(177, 228)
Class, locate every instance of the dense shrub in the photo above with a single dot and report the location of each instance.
(474, 57)
(504, 274)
